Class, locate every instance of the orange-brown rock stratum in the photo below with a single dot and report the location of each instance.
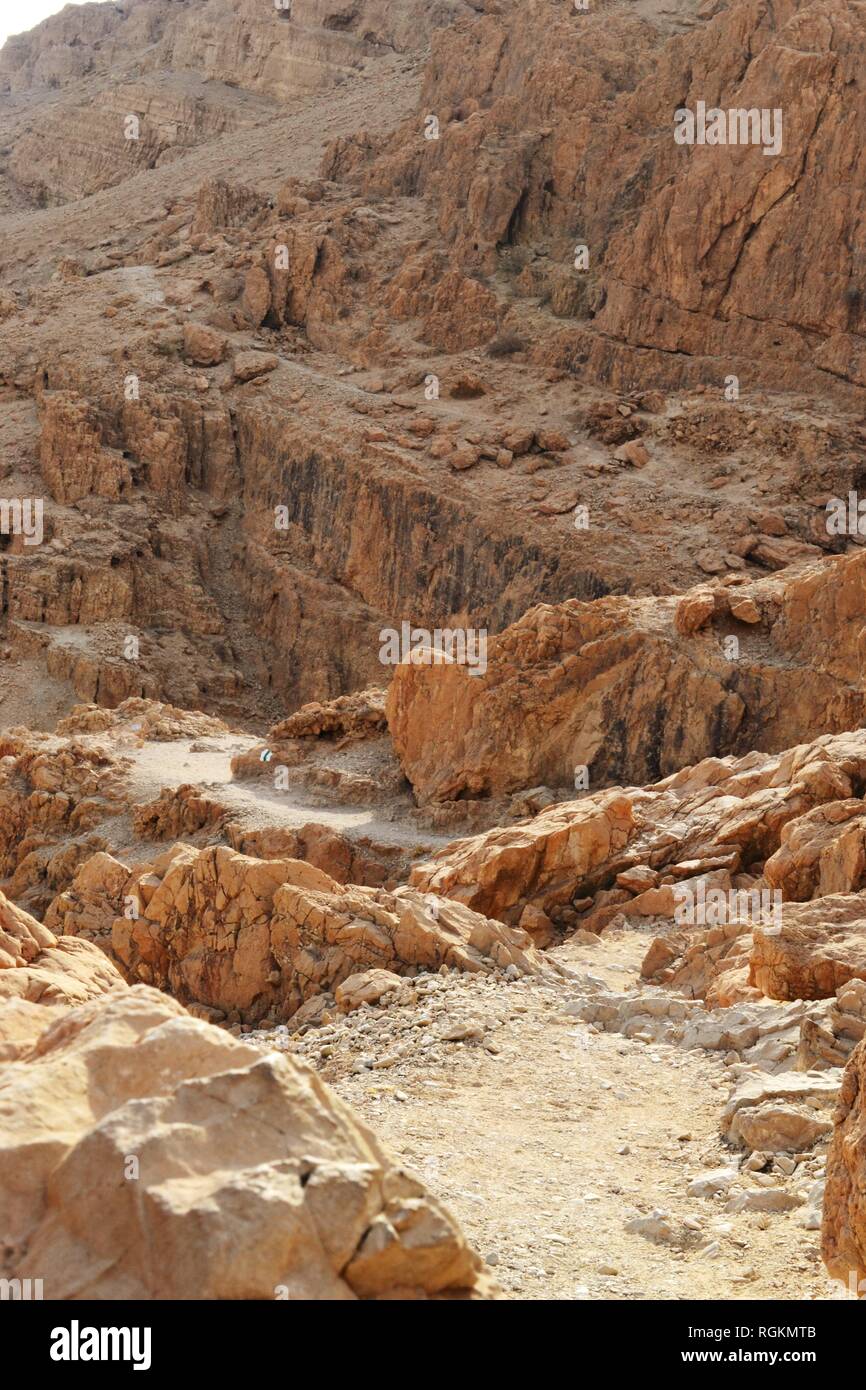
(627, 689)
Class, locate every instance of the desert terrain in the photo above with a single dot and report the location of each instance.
(432, 687)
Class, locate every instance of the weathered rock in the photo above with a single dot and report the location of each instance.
(773, 1199)
(819, 947)
(820, 853)
(558, 680)
(176, 812)
(202, 346)
(256, 938)
(718, 817)
(247, 365)
(843, 1236)
(37, 967)
(367, 987)
(250, 1178)
(769, 1114)
(73, 460)
(358, 714)
(147, 719)
(370, 863)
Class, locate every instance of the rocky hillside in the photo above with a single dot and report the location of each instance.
(186, 72)
(431, 649)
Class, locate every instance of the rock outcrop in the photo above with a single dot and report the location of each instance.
(370, 863)
(200, 71)
(38, 967)
(843, 1239)
(819, 947)
(246, 939)
(550, 704)
(148, 720)
(53, 794)
(176, 813)
(354, 715)
(626, 849)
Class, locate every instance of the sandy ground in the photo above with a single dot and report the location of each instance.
(547, 1146)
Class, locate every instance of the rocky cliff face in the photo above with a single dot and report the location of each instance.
(159, 77)
(698, 252)
(708, 673)
(412, 385)
(278, 49)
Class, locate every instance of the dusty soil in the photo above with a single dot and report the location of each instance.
(546, 1137)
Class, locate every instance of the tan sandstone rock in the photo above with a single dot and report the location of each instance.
(254, 939)
(559, 679)
(711, 821)
(148, 1155)
(39, 967)
(819, 947)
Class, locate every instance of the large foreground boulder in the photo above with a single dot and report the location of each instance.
(145, 1154)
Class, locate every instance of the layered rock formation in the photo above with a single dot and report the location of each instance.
(718, 822)
(552, 703)
(188, 74)
(329, 323)
(384, 277)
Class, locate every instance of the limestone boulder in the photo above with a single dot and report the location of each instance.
(367, 987)
(38, 967)
(203, 346)
(148, 1155)
(785, 1113)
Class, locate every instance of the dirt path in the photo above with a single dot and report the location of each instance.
(207, 763)
(547, 1144)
